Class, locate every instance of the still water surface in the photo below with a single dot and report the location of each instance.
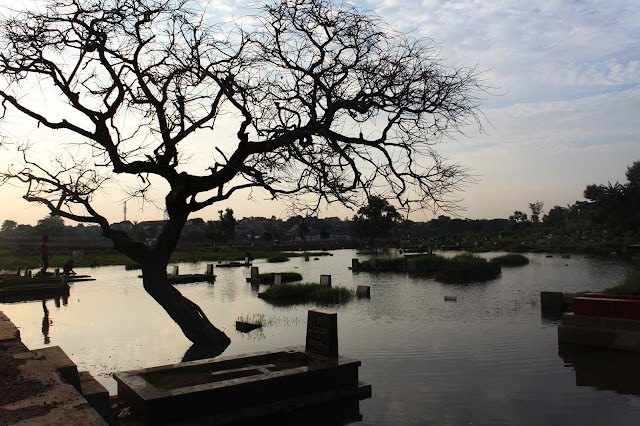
(490, 358)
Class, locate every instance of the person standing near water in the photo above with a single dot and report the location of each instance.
(44, 253)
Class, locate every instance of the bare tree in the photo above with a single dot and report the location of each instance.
(327, 101)
(536, 209)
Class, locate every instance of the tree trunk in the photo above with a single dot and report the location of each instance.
(194, 323)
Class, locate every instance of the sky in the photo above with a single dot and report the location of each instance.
(564, 111)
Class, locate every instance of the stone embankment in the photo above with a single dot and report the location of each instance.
(33, 391)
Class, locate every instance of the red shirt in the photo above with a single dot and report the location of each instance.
(44, 249)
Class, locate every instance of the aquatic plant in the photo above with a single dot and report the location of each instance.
(308, 292)
(511, 260)
(459, 269)
(465, 268)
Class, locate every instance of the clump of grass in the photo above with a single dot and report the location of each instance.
(511, 260)
(277, 259)
(459, 269)
(630, 285)
(287, 277)
(466, 268)
(426, 265)
(309, 292)
(256, 319)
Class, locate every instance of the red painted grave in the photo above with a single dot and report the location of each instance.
(608, 306)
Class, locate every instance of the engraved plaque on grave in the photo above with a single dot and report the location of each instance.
(322, 334)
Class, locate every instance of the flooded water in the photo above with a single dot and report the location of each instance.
(490, 358)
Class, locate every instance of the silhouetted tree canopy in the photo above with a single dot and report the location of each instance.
(325, 101)
(376, 219)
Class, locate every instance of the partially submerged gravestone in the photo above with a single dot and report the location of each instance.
(254, 278)
(551, 300)
(322, 334)
(325, 280)
(363, 291)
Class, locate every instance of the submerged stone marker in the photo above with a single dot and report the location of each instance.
(210, 269)
(551, 300)
(277, 279)
(355, 264)
(325, 280)
(322, 334)
(175, 270)
(363, 291)
(255, 274)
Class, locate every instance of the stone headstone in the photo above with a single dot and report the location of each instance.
(306, 258)
(56, 273)
(277, 279)
(210, 269)
(175, 270)
(325, 280)
(246, 261)
(363, 291)
(255, 274)
(355, 264)
(322, 334)
(551, 300)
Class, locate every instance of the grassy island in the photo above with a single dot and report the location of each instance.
(511, 260)
(463, 268)
(305, 293)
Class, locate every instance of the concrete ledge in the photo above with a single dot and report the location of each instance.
(589, 331)
(53, 402)
(37, 394)
(96, 395)
(66, 368)
(8, 331)
(601, 322)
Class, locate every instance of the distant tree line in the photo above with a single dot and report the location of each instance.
(610, 205)
(607, 205)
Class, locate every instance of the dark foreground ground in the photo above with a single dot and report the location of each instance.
(31, 390)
